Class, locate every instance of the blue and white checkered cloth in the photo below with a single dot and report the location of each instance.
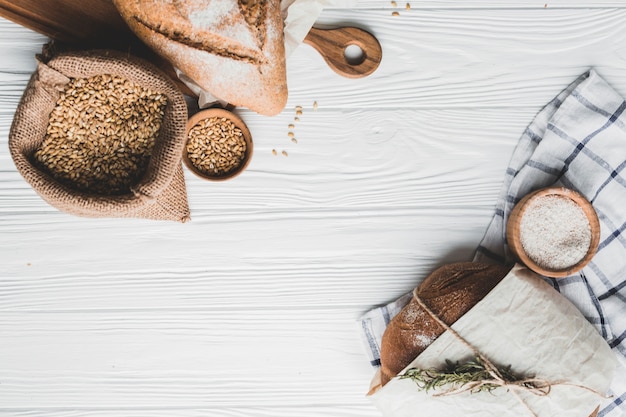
(577, 141)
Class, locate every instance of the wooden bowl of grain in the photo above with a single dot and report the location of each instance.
(218, 146)
(554, 231)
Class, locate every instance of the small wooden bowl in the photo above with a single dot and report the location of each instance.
(219, 113)
(514, 239)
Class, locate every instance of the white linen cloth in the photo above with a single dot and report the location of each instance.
(578, 141)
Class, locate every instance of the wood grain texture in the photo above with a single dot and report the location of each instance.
(67, 20)
(85, 24)
(333, 44)
(249, 309)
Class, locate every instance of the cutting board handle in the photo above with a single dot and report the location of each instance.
(332, 45)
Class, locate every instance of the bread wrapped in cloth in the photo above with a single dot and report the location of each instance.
(233, 49)
(450, 292)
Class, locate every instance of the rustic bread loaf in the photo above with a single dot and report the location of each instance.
(233, 49)
(450, 292)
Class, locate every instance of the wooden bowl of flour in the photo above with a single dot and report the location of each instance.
(554, 231)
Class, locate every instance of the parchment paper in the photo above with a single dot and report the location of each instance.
(525, 323)
(299, 16)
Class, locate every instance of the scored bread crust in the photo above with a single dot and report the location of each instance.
(233, 49)
(450, 292)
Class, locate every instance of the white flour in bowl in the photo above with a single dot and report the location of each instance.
(555, 232)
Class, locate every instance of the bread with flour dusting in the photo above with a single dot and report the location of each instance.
(449, 292)
(233, 49)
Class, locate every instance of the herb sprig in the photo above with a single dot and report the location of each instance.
(455, 376)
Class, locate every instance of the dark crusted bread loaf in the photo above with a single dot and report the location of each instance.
(450, 292)
(233, 49)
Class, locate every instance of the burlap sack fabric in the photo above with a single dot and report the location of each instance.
(160, 194)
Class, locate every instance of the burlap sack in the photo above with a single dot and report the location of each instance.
(160, 194)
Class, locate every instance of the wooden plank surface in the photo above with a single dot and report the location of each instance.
(250, 308)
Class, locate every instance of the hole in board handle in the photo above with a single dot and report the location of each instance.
(354, 55)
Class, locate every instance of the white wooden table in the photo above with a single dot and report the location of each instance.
(250, 308)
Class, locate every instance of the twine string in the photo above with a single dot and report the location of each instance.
(535, 386)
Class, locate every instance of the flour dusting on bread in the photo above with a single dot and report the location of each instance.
(234, 49)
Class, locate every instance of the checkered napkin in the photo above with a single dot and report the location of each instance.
(577, 141)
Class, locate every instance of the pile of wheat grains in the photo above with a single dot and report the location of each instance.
(101, 134)
(216, 147)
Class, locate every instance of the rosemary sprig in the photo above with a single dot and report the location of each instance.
(455, 375)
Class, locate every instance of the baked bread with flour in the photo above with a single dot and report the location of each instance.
(233, 49)
(450, 292)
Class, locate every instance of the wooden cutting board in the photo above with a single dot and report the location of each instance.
(97, 24)
(69, 20)
(84, 24)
